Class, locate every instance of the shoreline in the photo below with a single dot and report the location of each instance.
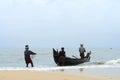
(50, 75)
(70, 69)
(98, 71)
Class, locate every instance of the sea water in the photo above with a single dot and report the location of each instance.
(13, 59)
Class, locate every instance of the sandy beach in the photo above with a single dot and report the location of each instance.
(44, 75)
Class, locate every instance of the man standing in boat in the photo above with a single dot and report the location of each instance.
(82, 51)
(27, 54)
(61, 57)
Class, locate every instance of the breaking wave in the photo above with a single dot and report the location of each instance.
(109, 64)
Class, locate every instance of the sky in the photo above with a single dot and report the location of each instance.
(60, 23)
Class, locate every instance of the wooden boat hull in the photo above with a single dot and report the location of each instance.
(70, 61)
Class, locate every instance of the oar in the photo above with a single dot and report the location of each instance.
(74, 56)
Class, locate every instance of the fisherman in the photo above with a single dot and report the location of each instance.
(82, 51)
(61, 57)
(27, 54)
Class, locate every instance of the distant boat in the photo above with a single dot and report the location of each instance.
(110, 48)
(70, 61)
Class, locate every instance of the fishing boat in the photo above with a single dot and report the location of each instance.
(70, 61)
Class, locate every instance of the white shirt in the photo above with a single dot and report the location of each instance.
(82, 50)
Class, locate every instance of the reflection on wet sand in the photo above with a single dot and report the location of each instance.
(62, 70)
(70, 70)
(81, 69)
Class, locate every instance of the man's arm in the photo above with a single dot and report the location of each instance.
(84, 50)
(32, 53)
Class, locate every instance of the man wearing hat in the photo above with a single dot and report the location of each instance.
(27, 54)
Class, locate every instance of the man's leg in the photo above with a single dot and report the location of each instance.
(32, 64)
(26, 64)
(82, 55)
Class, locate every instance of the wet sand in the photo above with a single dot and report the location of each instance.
(46, 75)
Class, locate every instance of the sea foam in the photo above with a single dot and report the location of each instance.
(58, 68)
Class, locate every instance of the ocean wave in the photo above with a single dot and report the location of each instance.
(101, 64)
(117, 61)
(97, 63)
(59, 68)
(110, 62)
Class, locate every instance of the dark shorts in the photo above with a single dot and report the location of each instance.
(61, 60)
(28, 60)
(82, 55)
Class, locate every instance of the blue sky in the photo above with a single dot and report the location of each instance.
(56, 23)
